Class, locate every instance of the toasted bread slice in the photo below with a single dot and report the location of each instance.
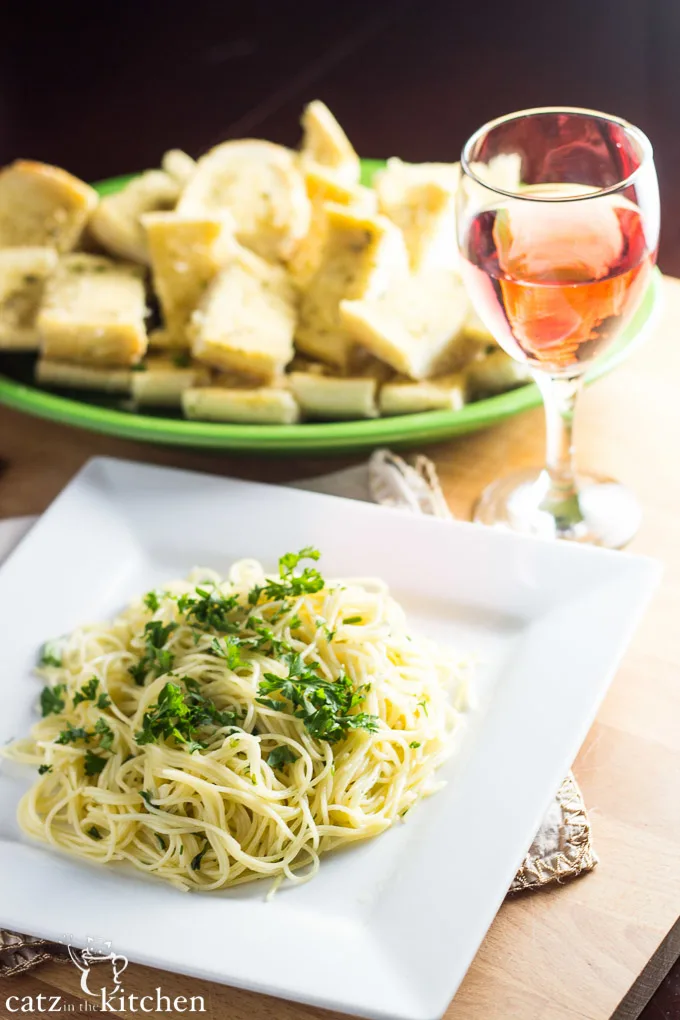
(116, 221)
(43, 206)
(416, 326)
(179, 165)
(323, 187)
(398, 177)
(186, 253)
(266, 405)
(445, 393)
(325, 144)
(361, 256)
(82, 377)
(246, 319)
(93, 312)
(23, 272)
(426, 215)
(496, 373)
(161, 380)
(260, 185)
(324, 396)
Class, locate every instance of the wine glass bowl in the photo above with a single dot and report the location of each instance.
(558, 228)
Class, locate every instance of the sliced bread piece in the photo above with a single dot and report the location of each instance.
(42, 205)
(246, 319)
(23, 272)
(325, 144)
(83, 377)
(323, 187)
(426, 215)
(179, 165)
(333, 397)
(416, 326)
(496, 373)
(93, 312)
(161, 380)
(186, 253)
(361, 257)
(266, 405)
(116, 221)
(445, 393)
(261, 186)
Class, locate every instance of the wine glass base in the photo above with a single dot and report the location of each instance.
(604, 512)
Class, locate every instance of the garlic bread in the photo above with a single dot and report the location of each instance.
(23, 272)
(43, 206)
(93, 312)
(116, 221)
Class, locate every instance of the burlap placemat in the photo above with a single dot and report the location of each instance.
(562, 848)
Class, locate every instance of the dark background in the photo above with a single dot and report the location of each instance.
(105, 89)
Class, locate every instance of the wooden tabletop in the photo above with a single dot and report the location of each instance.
(570, 953)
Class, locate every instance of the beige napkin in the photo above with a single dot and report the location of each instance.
(562, 847)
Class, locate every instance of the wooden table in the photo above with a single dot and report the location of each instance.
(570, 953)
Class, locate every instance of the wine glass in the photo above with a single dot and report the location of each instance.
(558, 228)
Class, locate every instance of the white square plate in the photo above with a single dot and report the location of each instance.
(387, 929)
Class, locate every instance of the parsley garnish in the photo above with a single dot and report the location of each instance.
(146, 797)
(94, 763)
(105, 732)
(51, 700)
(181, 714)
(42, 769)
(94, 832)
(196, 862)
(228, 649)
(88, 692)
(182, 359)
(280, 756)
(161, 840)
(152, 600)
(156, 657)
(289, 583)
(325, 706)
(50, 654)
(353, 619)
(72, 734)
(414, 744)
(210, 611)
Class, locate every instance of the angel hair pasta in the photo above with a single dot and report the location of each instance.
(219, 731)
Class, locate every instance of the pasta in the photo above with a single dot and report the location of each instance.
(220, 731)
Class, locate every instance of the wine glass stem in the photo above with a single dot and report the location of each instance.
(559, 399)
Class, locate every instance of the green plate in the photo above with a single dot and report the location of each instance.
(105, 414)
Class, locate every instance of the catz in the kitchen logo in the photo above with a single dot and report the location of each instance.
(112, 998)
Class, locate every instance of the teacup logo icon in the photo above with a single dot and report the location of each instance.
(97, 951)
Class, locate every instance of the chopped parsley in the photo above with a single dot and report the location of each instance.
(228, 649)
(289, 583)
(42, 769)
(105, 733)
(196, 862)
(50, 654)
(72, 734)
(210, 611)
(353, 619)
(51, 700)
(325, 706)
(94, 763)
(182, 359)
(156, 658)
(182, 715)
(161, 840)
(88, 692)
(280, 756)
(94, 832)
(147, 798)
(414, 744)
(152, 600)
